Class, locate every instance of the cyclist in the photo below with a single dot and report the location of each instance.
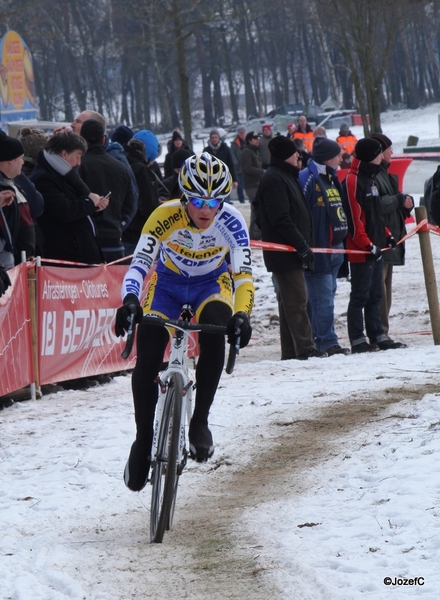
(190, 239)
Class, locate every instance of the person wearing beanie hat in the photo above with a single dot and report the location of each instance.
(116, 149)
(264, 143)
(322, 189)
(151, 143)
(347, 141)
(175, 143)
(149, 193)
(33, 140)
(17, 228)
(122, 134)
(285, 218)
(106, 175)
(221, 150)
(396, 207)
(237, 146)
(172, 183)
(291, 128)
(324, 150)
(368, 150)
(366, 232)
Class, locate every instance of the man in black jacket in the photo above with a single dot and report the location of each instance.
(104, 174)
(366, 232)
(396, 207)
(285, 218)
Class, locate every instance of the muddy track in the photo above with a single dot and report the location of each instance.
(220, 560)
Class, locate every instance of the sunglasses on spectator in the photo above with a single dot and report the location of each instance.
(201, 203)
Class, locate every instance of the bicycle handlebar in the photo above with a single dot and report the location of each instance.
(186, 326)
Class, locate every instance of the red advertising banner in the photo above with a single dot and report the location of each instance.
(76, 314)
(16, 367)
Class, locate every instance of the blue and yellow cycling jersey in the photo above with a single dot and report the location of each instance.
(183, 251)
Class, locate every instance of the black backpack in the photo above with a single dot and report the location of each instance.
(431, 198)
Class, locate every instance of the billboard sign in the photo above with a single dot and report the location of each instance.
(17, 81)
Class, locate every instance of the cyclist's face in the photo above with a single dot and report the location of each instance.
(201, 217)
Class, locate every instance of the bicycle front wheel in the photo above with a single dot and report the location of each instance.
(164, 478)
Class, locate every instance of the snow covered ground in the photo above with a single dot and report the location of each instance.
(324, 483)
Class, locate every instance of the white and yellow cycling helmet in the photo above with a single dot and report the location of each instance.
(204, 176)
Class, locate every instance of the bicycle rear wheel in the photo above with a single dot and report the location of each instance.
(164, 478)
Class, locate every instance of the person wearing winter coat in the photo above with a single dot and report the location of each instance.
(17, 229)
(264, 144)
(304, 132)
(253, 171)
(323, 192)
(68, 230)
(172, 183)
(347, 141)
(237, 146)
(284, 217)
(116, 148)
(222, 151)
(366, 232)
(141, 150)
(396, 207)
(175, 143)
(106, 175)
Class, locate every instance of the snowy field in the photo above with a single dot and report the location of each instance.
(325, 480)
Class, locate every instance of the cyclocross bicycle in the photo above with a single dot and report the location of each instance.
(173, 413)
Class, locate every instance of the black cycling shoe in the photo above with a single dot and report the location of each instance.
(201, 446)
(137, 467)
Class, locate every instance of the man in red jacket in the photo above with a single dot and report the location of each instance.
(366, 232)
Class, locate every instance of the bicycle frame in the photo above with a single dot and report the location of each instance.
(178, 363)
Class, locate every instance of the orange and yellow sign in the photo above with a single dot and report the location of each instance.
(16, 72)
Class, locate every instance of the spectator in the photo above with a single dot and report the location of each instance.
(367, 232)
(33, 140)
(291, 128)
(236, 147)
(68, 231)
(172, 183)
(86, 115)
(106, 175)
(347, 141)
(263, 146)
(142, 150)
(396, 207)
(304, 156)
(319, 132)
(285, 218)
(18, 227)
(222, 151)
(222, 134)
(176, 143)
(116, 148)
(253, 171)
(7, 197)
(305, 133)
(323, 192)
